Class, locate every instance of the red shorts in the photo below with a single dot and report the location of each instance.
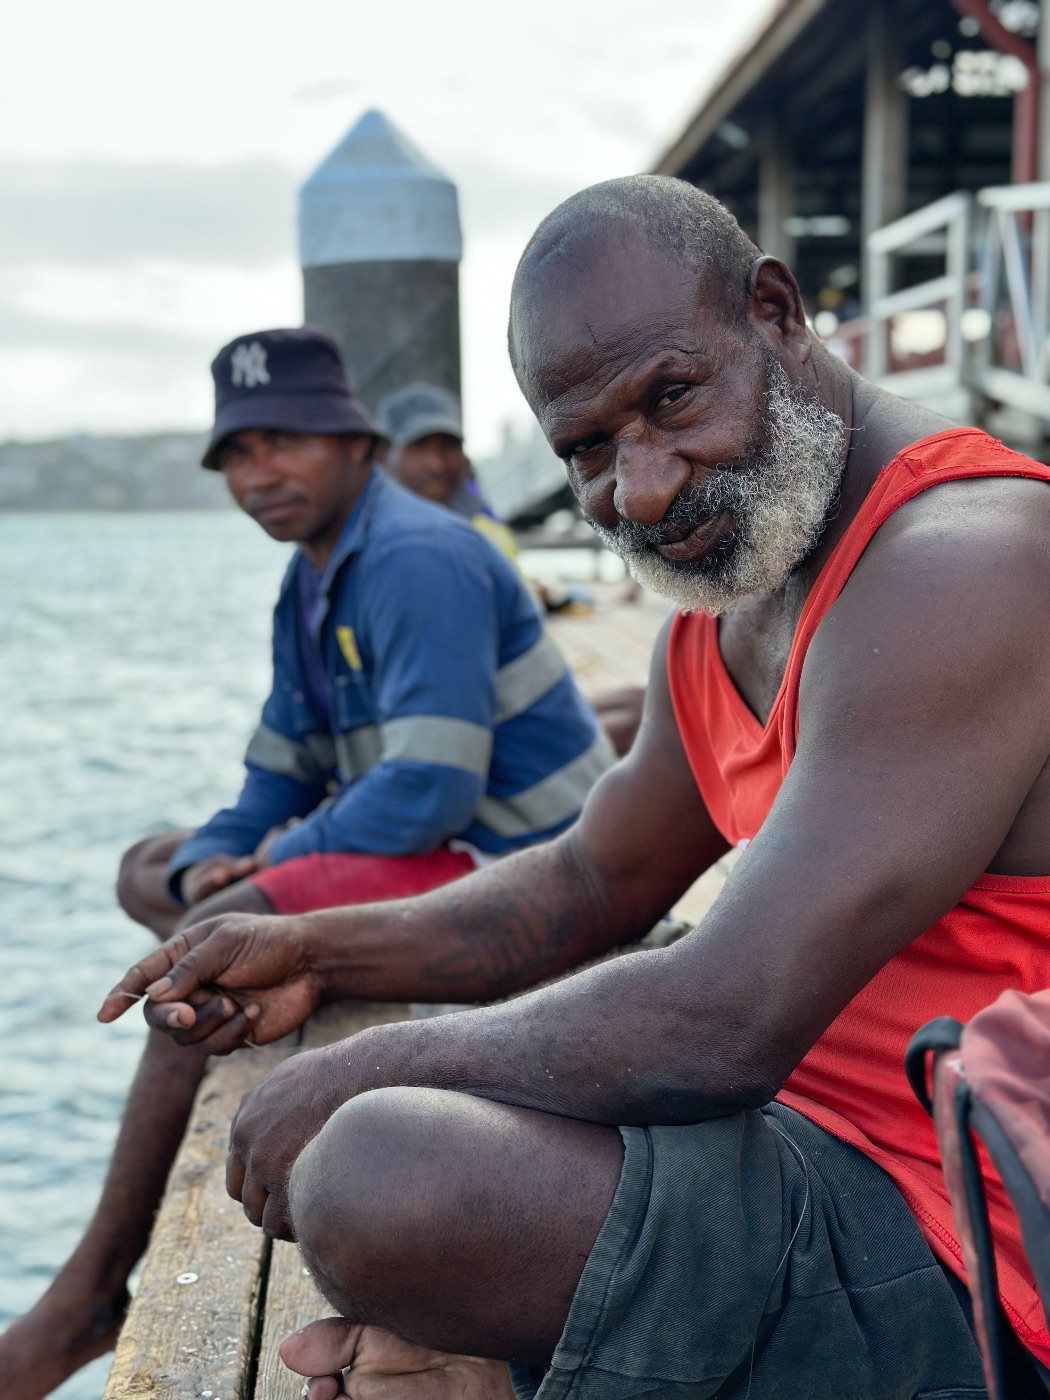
(326, 880)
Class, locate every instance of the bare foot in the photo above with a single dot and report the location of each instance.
(380, 1366)
(65, 1330)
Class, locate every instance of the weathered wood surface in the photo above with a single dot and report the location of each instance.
(215, 1300)
(292, 1298)
(191, 1327)
(610, 646)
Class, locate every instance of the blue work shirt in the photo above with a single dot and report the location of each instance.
(451, 711)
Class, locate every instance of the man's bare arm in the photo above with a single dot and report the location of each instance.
(924, 730)
(642, 840)
(644, 837)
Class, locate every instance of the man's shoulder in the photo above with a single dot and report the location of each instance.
(978, 513)
(438, 539)
(399, 515)
(963, 550)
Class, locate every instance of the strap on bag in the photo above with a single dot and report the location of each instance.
(950, 1108)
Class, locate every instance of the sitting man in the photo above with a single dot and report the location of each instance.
(423, 427)
(695, 1171)
(424, 433)
(420, 716)
(421, 722)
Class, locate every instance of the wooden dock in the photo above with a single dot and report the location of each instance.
(216, 1297)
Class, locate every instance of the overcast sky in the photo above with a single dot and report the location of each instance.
(150, 154)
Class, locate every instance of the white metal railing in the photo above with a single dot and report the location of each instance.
(950, 218)
(999, 245)
(1015, 250)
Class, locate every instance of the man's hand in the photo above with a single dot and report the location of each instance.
(233, 978)
(381, 1366)
(261, 857)
(276, 1120)
(214, 873)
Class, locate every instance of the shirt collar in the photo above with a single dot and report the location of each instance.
(351, 538)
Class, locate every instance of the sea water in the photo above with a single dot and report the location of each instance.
(134, 657)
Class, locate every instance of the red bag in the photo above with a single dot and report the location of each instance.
(991, 1078)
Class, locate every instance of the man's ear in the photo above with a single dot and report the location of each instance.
(360, 447)
(774, 307)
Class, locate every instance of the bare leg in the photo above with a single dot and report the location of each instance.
(79, 1316)
(142, 890)
(456, 1223)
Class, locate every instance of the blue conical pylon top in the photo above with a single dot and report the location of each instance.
(377, 198)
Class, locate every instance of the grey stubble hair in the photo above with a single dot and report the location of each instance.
(780, 498)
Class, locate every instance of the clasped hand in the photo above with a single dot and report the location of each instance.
(216, 872)
(276, 1120)
(223, 982)
(220, 983)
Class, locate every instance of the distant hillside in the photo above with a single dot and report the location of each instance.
(161, 471)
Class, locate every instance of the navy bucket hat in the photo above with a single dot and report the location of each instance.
(289, 380)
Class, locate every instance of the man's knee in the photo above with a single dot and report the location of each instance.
(141, 886)
(129, 876)
(240, 898)
(368, 1190)
(410, 1205)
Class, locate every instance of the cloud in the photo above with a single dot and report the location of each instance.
(95, 213)
(24, 330)
(498, 202)
(328, 87)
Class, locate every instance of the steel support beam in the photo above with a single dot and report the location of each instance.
(776, 189)
(884, 163)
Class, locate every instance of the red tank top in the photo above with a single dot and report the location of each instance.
(852, 1082)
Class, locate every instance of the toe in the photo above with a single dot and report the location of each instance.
(321, 1349)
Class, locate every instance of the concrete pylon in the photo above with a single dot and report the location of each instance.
(379, 245)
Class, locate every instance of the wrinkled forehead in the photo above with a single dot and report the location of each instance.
(590, 307)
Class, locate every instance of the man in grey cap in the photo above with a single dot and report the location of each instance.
(423, 426)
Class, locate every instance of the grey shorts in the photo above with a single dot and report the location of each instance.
(757, 1256)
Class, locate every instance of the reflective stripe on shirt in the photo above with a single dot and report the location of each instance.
(278, 754)
(358, 750)
(528, 677)
(552, 801)
(456, 743)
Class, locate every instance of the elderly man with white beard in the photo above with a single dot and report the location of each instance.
(696, 1171)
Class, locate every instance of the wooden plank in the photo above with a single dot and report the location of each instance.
(190, 1330)
(292, 1298)
(610, 648)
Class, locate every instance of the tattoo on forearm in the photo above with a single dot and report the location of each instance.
(518, 937)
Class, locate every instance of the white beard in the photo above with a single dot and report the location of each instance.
(780, 501)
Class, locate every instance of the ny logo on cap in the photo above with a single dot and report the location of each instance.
(248, 365)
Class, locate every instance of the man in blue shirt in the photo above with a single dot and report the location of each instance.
(421, 720)
(423, 428)
(420, 723)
